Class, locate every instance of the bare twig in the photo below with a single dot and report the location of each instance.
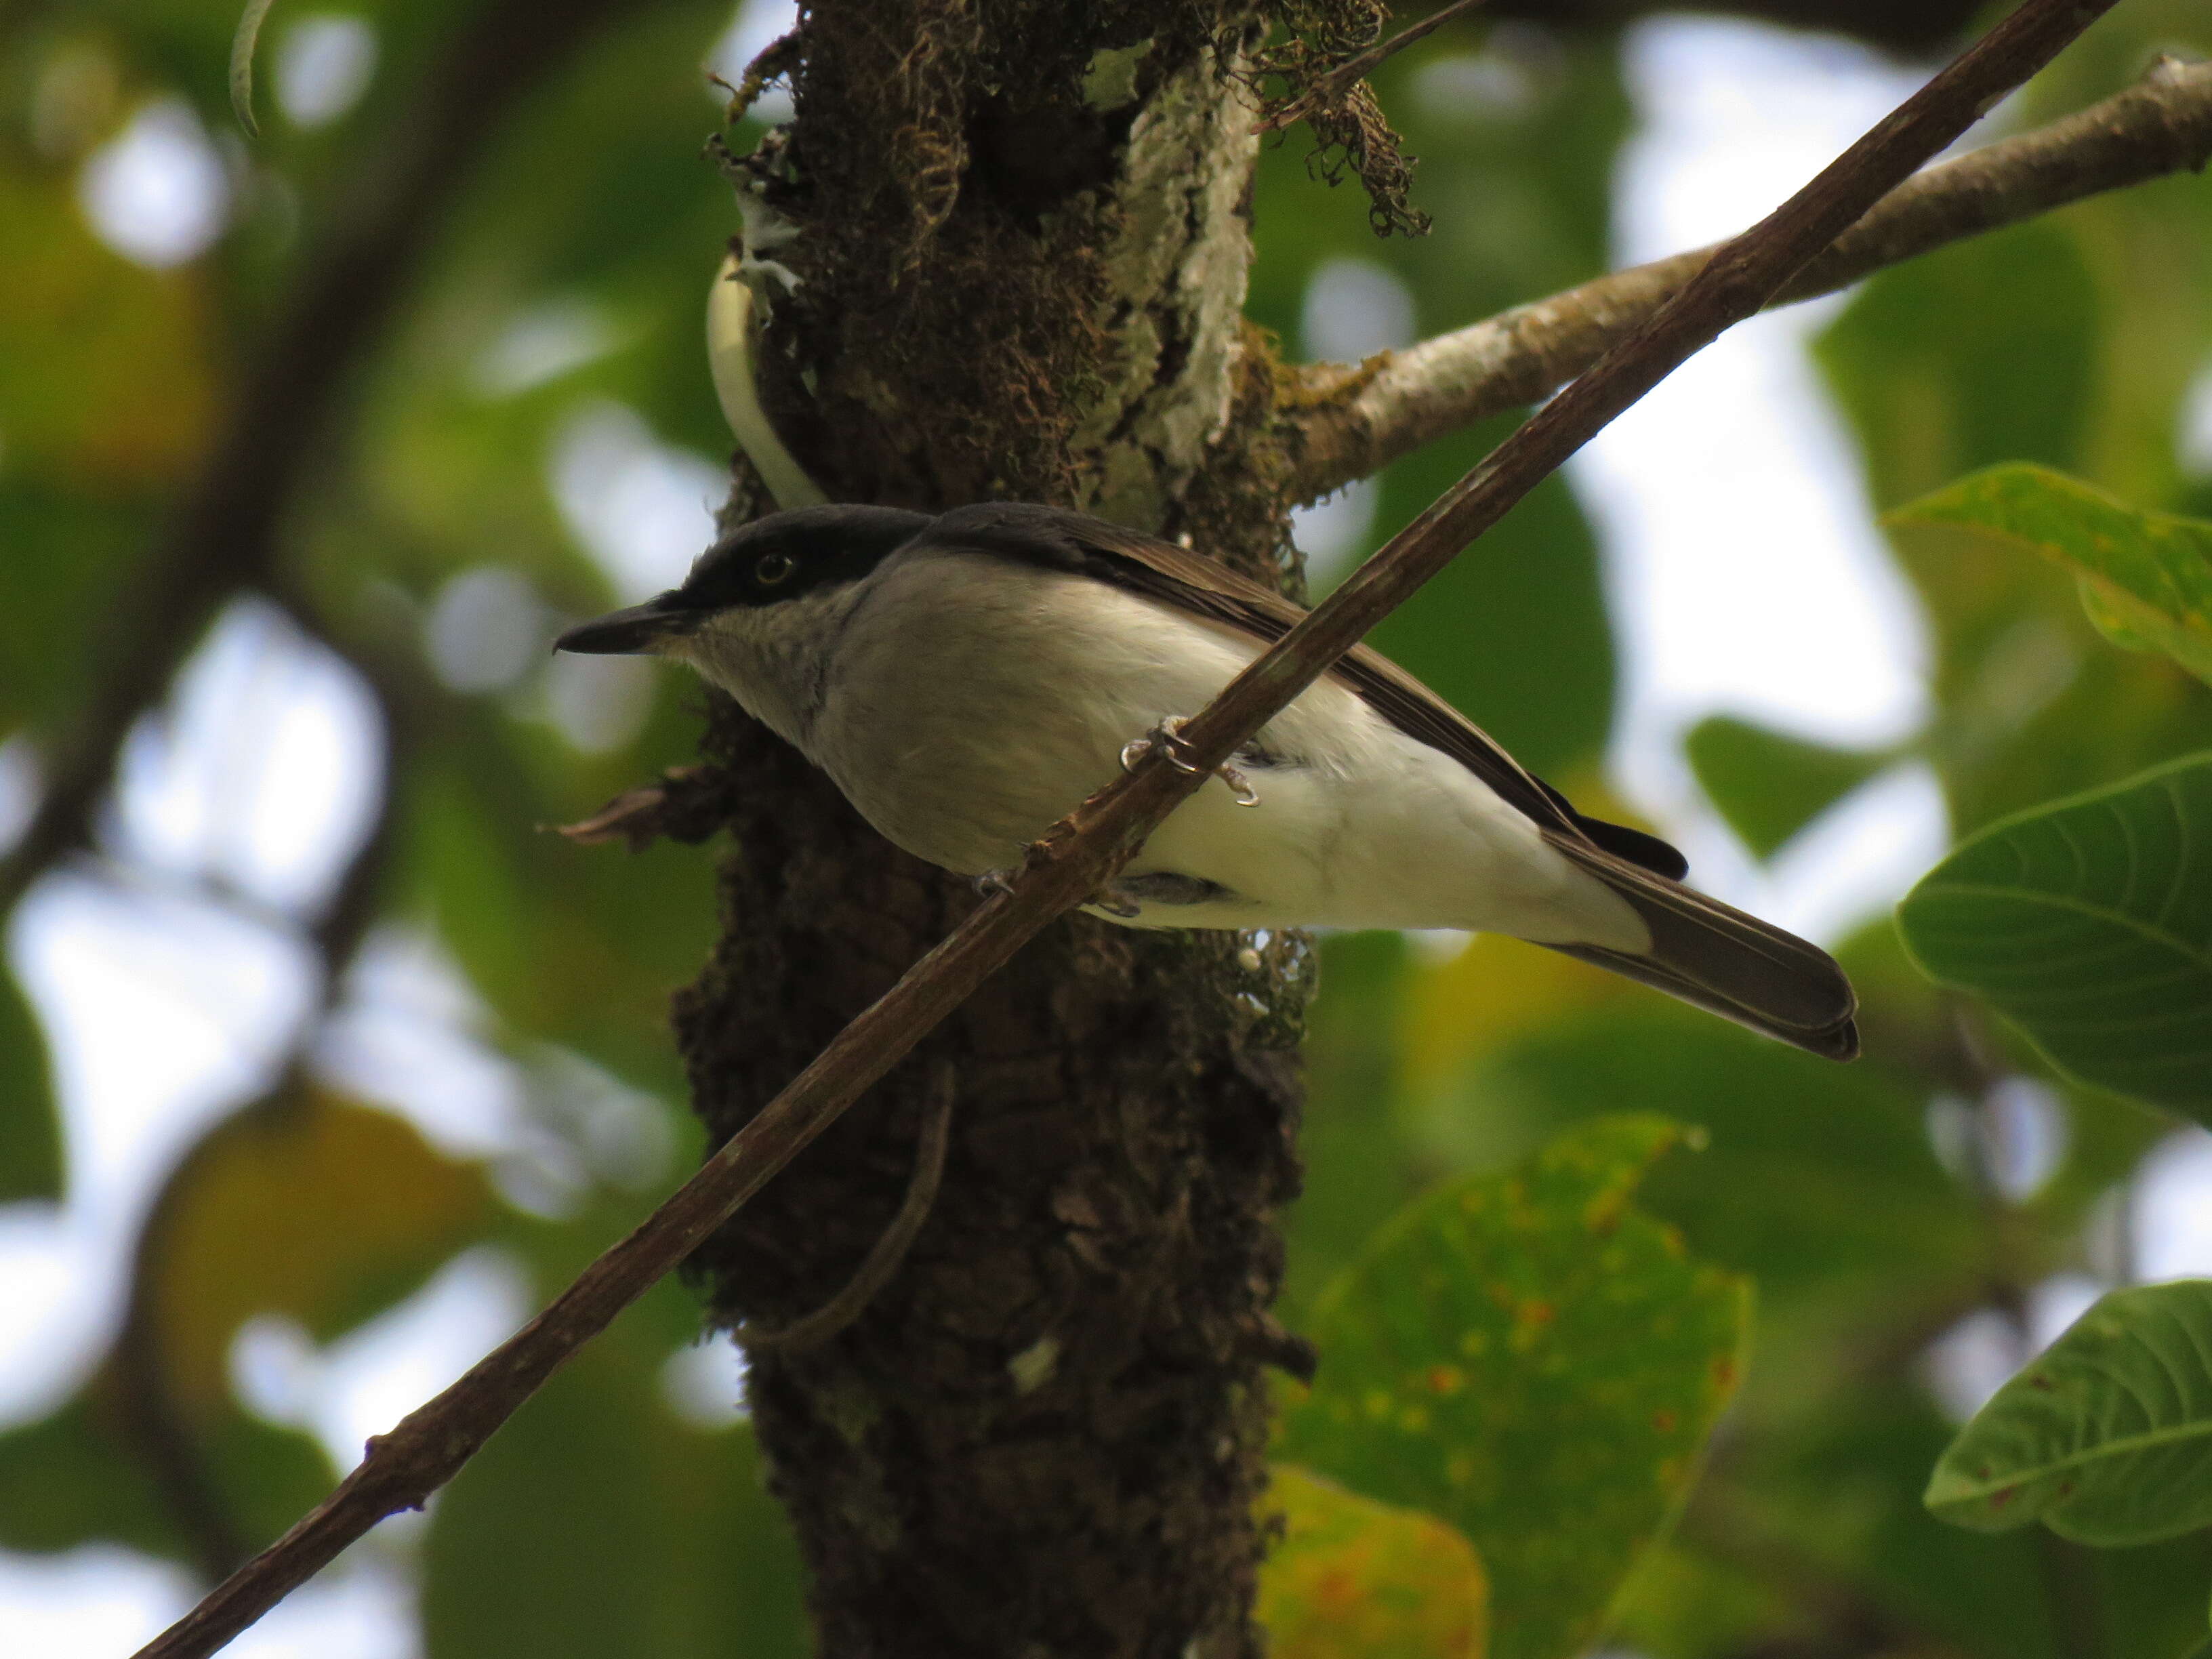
(1348, 74)
(1079, 855)
(690, 803)
(1352, 421)
(889, 1249)
(222, 536)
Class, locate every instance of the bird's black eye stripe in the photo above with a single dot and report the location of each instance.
(774, 568)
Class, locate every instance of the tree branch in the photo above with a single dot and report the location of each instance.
(1352, 421)
(1079, 855)
(223, 538)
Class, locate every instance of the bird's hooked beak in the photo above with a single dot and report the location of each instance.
(638, 630)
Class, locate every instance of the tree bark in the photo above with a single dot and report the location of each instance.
(1022, 253)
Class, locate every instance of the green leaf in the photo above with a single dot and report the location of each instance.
(30, 1127)
(1845, 1489)
(2146, 577)
(2032, 702)
(1768, 785)
(2089, 925)
(1515, 635)
(1981, 352)
(1527, 1357)
(1817, 1178)
(1353, 1577)
(89, 1473)
(2107, 1437)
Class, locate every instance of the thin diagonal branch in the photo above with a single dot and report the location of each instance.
(1079, 855)
(1354, 420)
(222, 536)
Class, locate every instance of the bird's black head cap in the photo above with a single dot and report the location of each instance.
(765, 562)
(787, 553)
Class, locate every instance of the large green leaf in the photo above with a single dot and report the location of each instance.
(1527, 1357)
(1768, 785)
(1513, 632)
(2107, 1437)
(311, 1207)
(1982, 352)
(2088, 924)
(1351, 1578)
(2146, 577)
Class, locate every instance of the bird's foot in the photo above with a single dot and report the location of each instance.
(1167, 738)
(995, 884)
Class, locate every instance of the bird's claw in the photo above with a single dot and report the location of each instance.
(1167, 738)
(1114, 904)
(1240, 788)
(998, 882)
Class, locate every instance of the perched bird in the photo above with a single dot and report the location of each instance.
(967, 678)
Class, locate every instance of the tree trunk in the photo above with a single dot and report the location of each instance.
(1022, 249)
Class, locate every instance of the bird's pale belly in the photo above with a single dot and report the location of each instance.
(965, 737)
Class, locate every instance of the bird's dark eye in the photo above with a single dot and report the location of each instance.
(773, 569)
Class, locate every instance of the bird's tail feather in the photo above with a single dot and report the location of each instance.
(1719, 959)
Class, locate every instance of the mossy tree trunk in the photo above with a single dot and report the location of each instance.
(1022, 248)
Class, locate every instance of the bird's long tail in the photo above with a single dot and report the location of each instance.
(1719, 959)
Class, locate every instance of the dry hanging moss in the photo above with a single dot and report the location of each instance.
(1347, 124)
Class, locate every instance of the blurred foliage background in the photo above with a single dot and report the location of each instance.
(321, 1063)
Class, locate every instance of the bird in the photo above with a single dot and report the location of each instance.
(966, 677)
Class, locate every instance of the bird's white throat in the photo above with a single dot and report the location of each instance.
(774, 660)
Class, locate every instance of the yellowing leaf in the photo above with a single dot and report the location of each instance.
(2146, 577)
(314, 1207)
(105, 367)
(1353, 1577)
(1531, 1358)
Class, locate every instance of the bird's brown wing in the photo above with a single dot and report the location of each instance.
(1174, 576)
(1707, 953)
